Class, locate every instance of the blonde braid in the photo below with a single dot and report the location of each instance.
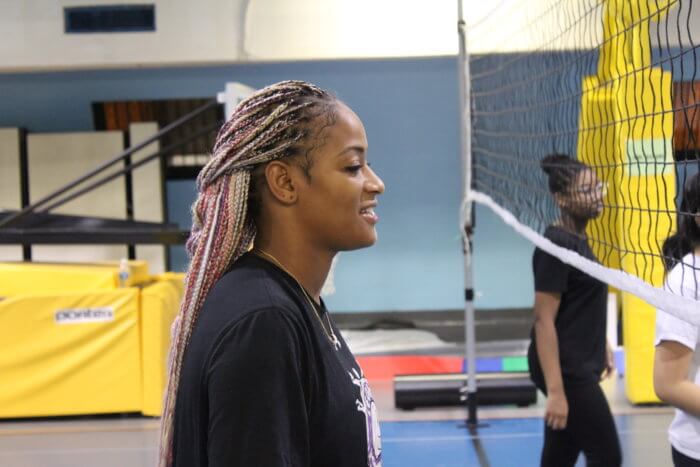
(270, 124)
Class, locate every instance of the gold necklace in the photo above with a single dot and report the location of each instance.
(335, 342)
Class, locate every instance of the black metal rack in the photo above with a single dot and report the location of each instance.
(45, 228)
(35, 224)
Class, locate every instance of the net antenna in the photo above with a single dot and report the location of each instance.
(466, 221)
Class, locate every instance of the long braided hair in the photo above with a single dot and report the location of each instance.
(275, 122)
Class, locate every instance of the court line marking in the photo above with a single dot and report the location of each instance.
(153, 426)
(427, 439)
(423, 439)
(70, 430)
(35, 452)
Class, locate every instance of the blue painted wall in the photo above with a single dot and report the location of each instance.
(410, 110)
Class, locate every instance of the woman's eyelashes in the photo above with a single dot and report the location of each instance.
(356, 167)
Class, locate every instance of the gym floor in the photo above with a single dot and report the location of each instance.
(508, 436)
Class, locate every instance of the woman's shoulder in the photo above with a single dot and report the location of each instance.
(564, 238)
(273, 324)
(556, 235)
(244, 318)
(248, 286)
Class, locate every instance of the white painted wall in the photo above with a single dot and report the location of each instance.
(313, 29)
(10, 185)
(147, 186)
(32, 35)
(226, 31)
(521, 25)
(58, 158)
(541, 25)
(282, 29)
(681, 25)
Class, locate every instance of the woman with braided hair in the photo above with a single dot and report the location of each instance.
(259, 373)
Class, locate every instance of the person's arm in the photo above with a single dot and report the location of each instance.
(671, 364)
(609, 362)
(258, 393)
(546, 309)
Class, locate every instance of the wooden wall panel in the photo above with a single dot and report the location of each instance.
(686, 118)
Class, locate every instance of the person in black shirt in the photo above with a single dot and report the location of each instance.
(568, 352)
(259, 373)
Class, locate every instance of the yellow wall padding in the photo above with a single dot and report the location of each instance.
(175, 278)
(72, 342)
(32, 278)
(28, 278)
(638, 321)
(68, 354)
(159, 305)
(626, 130)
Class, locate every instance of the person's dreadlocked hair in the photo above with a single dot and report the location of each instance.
(274, 122)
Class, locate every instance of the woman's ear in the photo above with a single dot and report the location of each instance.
(280, 182)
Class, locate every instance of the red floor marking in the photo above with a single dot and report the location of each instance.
(386, 367)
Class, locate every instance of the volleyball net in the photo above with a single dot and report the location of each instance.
(612, 83)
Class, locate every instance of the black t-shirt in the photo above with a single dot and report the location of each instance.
(581, 319)
(262, 385)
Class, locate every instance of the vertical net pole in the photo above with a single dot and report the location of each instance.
(466, 220)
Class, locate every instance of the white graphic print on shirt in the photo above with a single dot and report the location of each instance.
(367, 406)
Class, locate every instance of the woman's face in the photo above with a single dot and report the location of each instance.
(584, 199)
(338, 201)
